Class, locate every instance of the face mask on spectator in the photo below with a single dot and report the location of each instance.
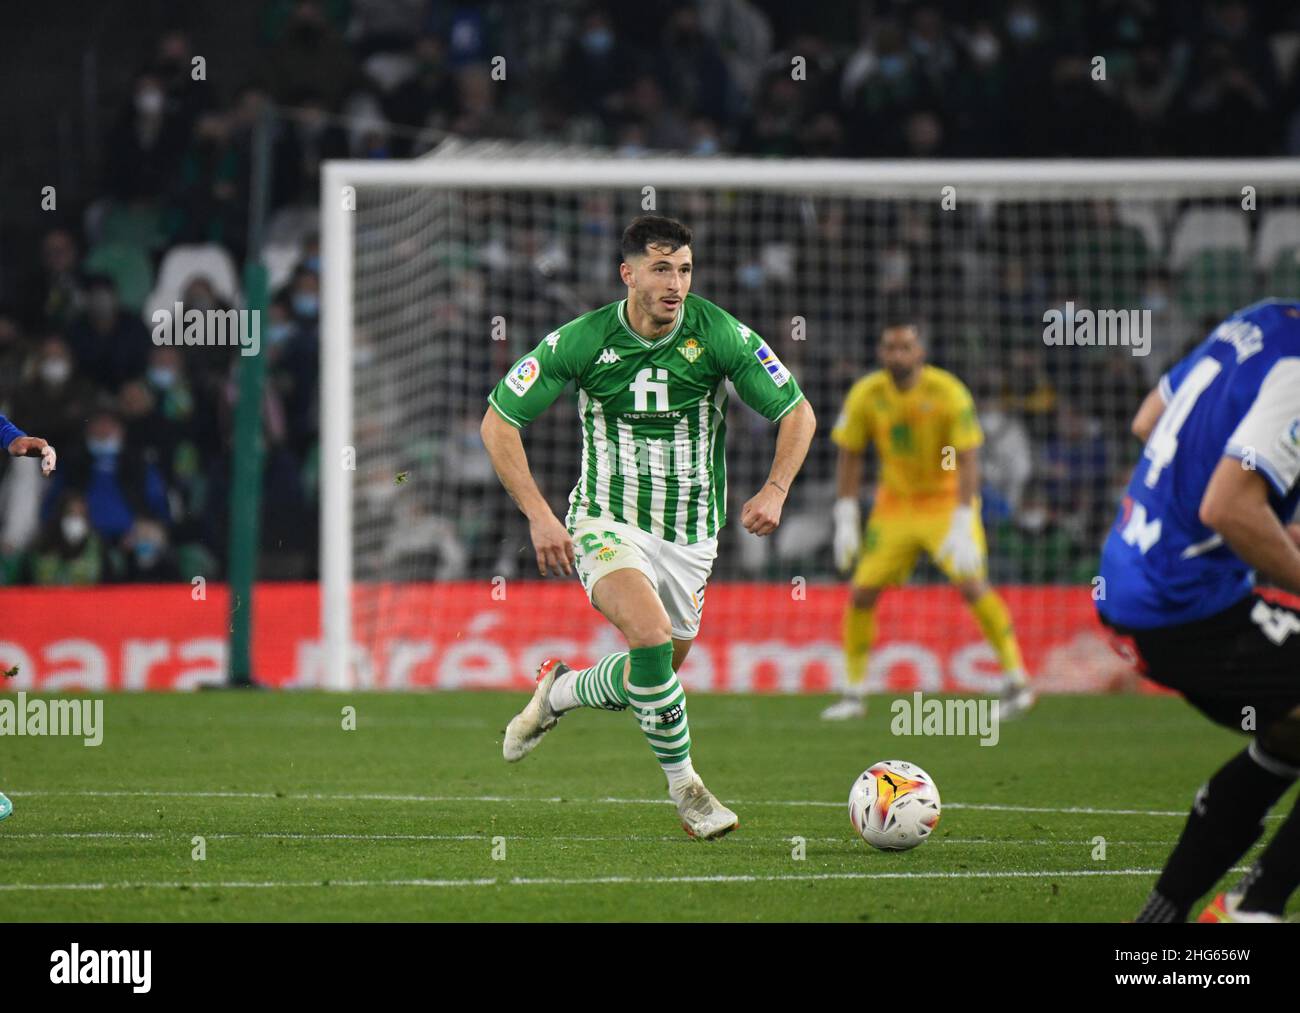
(146, 553)
(984, 49)
(55, 371)
(149, 102)
(75, 528)
(104, 446)
(598, 41)
(893, 66)
(1023, 25)
(306, 305)
(705, 146)
(162, 377)
(277, 334)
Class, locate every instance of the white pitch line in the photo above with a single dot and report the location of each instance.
(591, 881)
(519, 799)
(546, 839)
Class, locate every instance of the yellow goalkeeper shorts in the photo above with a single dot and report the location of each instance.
(893, 539)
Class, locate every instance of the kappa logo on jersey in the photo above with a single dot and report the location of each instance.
(552, 339)
(524, 375)
(780, 375)
(607, 358)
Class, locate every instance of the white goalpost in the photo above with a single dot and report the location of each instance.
(438, 273)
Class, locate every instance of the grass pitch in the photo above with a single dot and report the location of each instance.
(414, 815)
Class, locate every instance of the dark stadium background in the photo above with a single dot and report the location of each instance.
(906, 79)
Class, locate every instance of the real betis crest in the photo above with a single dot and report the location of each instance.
(692, 350)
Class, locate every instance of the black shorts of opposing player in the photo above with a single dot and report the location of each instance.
(1239, 667)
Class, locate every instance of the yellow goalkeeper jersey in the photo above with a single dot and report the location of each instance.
(910, 430)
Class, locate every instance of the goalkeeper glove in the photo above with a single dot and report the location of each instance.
(848, 533)
(959, 545)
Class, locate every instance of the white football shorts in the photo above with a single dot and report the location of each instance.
(678, 573)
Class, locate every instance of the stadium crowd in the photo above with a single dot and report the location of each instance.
(144, 431)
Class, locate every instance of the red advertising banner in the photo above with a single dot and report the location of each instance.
(762, 638)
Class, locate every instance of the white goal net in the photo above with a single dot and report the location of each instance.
(441, 272)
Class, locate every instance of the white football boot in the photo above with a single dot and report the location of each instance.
(846, 709)
(1015, 699)
(537, 718)
(703, 816)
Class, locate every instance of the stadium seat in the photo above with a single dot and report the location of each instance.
(1215, 282)
(1147, 220)
(1279, 231)
(129, 268)
(1283, 280)
(1202, 229)
(280, 262)
(181, 263)
(139, 225)
(1106, 266)
(291, 225)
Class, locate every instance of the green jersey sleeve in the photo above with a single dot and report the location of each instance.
(535, 381)
(760, 378)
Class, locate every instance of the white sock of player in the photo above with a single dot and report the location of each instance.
(680, 775)
(599, 686)
(564, 695)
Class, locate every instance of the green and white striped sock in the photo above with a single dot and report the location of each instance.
(659, 703)
(601, 686)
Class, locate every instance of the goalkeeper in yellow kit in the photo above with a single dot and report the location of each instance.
(922, 422)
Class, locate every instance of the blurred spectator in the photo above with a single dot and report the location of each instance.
(14, 352)
(147, 558)
(595, 71)
(54, 294)
(145, 143)
(69, 552)
(118, 484)
(108, 342)
(691, 60)
(57, 397)
(311, 56)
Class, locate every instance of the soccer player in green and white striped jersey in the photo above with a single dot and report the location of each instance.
(651, 372)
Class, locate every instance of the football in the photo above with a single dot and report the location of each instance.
(894, 805)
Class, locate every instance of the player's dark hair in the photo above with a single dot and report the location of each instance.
(654, 230)
(901, 317)
(898, 311)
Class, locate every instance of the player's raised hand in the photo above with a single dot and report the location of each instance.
(34, 446)
(553, 544)
(761, 515)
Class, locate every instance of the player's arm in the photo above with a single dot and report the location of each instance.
(550, 538)
(1153, 405)
(1262, 456)
(525, 392)
(1236, 505)
(19, 444)
(763, 383)
(794, 434)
